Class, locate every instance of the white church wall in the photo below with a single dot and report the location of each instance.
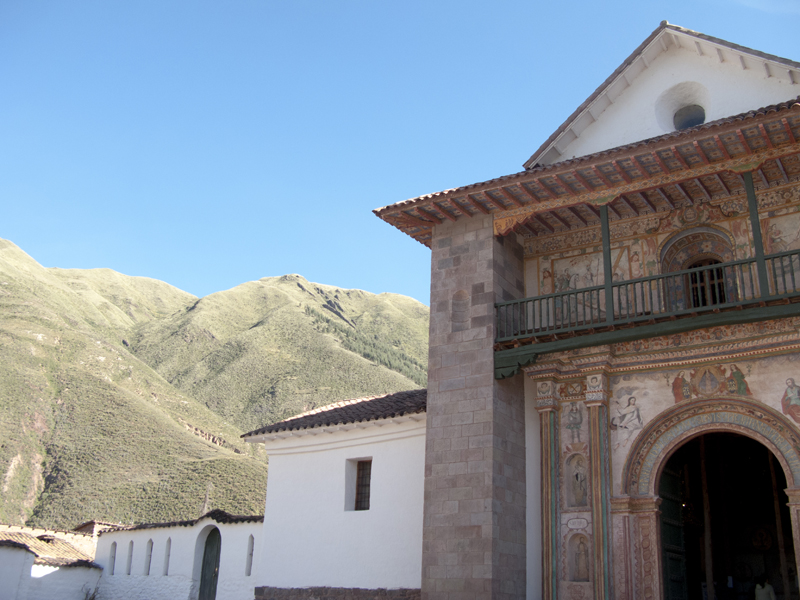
(674, 79)
(15, 572)
(313, 538)
(178, 576)
(64, 583)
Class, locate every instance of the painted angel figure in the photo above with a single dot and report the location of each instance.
(628, 419)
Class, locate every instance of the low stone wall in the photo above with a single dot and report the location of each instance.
(329, 593)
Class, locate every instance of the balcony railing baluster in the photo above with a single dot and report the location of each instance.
(709, 288)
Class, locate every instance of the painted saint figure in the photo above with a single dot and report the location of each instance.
(737, 383)
(791, 400)
(574, 422)
(680, 388)
(579, 487)
(628, 419)
(582, 561)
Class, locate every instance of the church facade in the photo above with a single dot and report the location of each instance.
(612, 406)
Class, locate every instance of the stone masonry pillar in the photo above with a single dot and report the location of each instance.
(474, 509)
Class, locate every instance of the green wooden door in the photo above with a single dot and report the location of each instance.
(672, 544)
(210, 572)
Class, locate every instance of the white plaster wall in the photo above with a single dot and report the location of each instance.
(15, 571)
(632, 115)
(64, 583)
(186, 551)
(309, 537)
(533, 482)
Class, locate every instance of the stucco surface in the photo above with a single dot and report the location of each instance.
(313, 539)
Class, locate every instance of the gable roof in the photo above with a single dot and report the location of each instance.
(665, 37)
(49, 550)
(358, 410)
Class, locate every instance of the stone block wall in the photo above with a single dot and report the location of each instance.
(331, 593)
(474, 517)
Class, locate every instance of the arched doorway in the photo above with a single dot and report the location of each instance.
(638, 517)
(724, 514)
(210, 569)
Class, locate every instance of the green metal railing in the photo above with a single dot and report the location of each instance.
(705, 289)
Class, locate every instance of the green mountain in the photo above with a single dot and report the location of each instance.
(123, 398)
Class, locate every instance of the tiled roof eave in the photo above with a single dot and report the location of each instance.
(332, 428)
(417, 216)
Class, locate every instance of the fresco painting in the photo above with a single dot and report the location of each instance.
(585, 270)
(709, 380)
(781, 233)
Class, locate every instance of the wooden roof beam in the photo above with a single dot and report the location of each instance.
(565, 185)
(529, 228)
(602, 177)
(621, 172)
(582, 181)
(788, 129)
(413, 220)
(666, 198)
(722, 147)
(743, 140)
(613, 210)
(544, 223)
(763, 177)
(577, 215)
(593, 210)
(459, 208)
(764, 134)
(703, 189)
(641, 167)
(660, 162)
(445, 213)
(643, 197)
(477, 205)
(511, 197)
(630, 205)
(545, 188)
(528, 193)
(560, 219)
(722, 183)
(494, 200)
(684, 193)
(700, 153)
(678, 157)
(429, 215)
(779, 164)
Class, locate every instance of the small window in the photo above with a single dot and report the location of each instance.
(689, 116)
(148, 557)
(363, 475)
(248, 565)
(166, 556)
(130, 558)
(112, 558)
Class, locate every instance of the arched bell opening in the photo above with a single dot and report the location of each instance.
(725, 518)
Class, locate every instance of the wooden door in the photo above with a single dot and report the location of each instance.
(210, 571)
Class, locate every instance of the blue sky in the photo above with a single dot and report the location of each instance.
(208, 144)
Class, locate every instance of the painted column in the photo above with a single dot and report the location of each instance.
(597, 403)
(648, 581)
(474, 505)
(794, 511)
(621, 545)
(547, 406)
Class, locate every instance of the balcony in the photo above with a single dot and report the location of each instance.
(716, 294)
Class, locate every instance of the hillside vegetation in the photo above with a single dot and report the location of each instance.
(123, 398)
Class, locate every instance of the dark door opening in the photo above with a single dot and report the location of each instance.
(740, 490)
(210, 570)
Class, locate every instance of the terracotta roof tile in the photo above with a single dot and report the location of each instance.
(49, 550)
(220, 516)
(353, 411)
